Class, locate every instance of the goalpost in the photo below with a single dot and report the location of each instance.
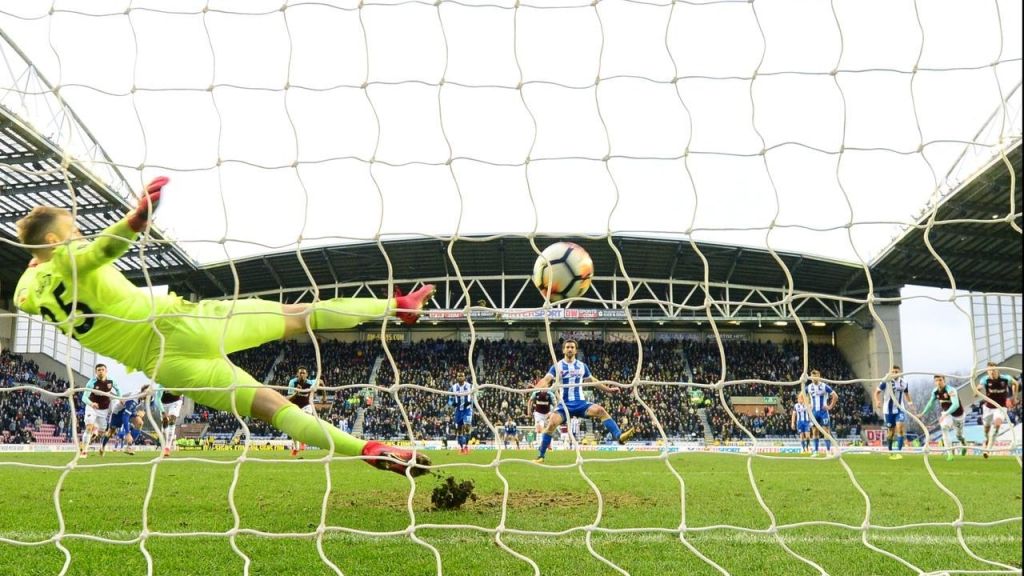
(640, 113)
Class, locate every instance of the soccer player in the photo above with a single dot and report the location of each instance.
(998, 388)
(97, 397)
(126, 416)
(169, 403)
(298, 394)
(952, 415)
(571, 374)
(74, 284)
(800, 421)
(823, 400)
(897, 401)
(539, 405)
(462, 401)
(511, 433)
(573, 437)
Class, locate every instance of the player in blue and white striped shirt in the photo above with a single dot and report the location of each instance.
(800, 420)
(823, 400)
(569, 374)
(462, 401)
(894, 408)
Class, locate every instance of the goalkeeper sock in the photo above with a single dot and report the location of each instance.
(545, 443)
(815, 444)
(888, 440)
(291, 420)
(899, 442)
(612, 427)
(344, 313)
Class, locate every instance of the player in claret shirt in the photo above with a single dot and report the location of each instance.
(96, 398)
(952, 416)
(74, 284)
(298, 394)
(998, 388)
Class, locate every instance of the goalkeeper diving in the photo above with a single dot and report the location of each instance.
(73, 283)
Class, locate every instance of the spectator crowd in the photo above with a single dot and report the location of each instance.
(506, 371)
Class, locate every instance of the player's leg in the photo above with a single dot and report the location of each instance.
(826, 425)
(554, 421)
(945, 423)
(987, 416)
(236, 391)
(345, 313)
(997, 424)
(901, 432)
(598, 411)
(958, 424)
(890, 430)
(90, 429)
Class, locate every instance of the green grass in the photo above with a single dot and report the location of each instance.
(286, 498)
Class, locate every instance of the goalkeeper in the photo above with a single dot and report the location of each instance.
(74, 284)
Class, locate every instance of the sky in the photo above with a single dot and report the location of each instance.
(279, 150)
(322, 123)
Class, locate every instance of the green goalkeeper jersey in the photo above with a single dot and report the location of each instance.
(80, 277)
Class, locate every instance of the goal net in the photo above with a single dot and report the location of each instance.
(807, 138)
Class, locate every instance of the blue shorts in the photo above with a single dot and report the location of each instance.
(464, 417)
(822, 417)
(891, 420)
(120, 423)
(578, 409)
(803, 427)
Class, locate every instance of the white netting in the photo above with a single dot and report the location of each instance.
(615, 86)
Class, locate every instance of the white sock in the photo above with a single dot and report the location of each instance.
(992, 436)
(945, 440)
(85, 440)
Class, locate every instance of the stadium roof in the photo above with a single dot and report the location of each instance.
(645, 258)
(973, 234)
(30, 175)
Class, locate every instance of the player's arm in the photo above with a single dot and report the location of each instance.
(548, 378)
(833, 398)
(115, 240)
(85, 393)
(931, 400)
(878, 395)
(529, 403)
(792, 418)
(291, 389)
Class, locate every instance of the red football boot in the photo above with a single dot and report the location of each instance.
(412, 303)
(402, 456)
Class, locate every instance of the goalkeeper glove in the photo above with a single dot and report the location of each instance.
(139, 219)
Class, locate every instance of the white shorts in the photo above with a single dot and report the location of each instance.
(173, 410)
(540, 420)
(990, 413)
(97, 417)
(954, 422)
(309, 409)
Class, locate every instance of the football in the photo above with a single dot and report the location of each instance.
(563, 270)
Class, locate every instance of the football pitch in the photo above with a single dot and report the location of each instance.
(285, 497)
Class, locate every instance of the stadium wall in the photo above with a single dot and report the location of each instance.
(863, 344)
(6, 329)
